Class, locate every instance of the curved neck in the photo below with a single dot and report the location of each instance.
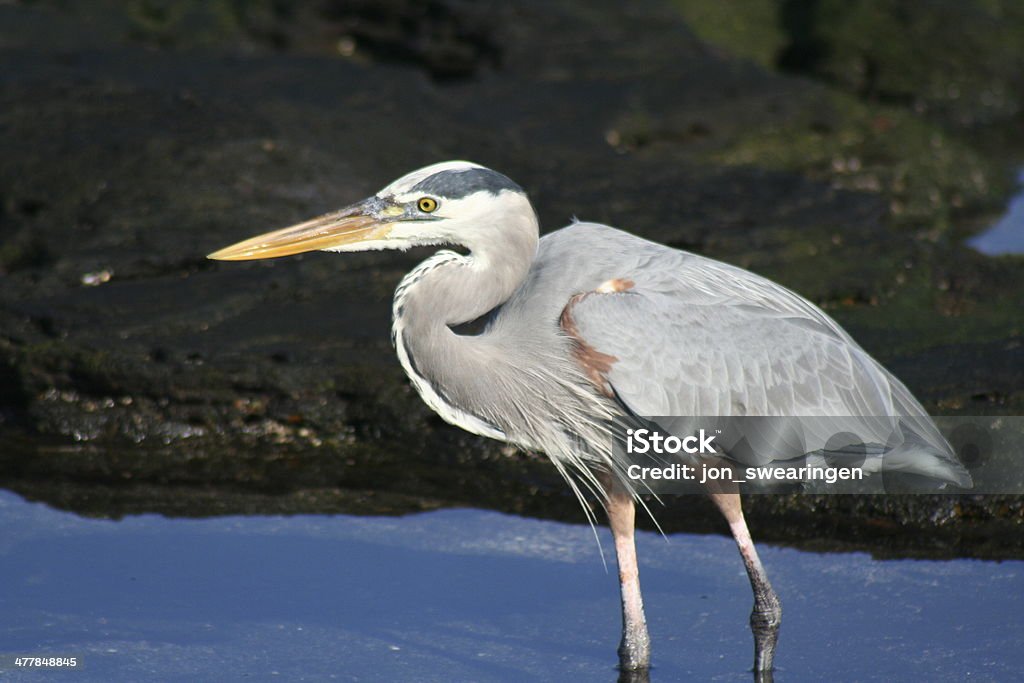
(450, 370)
(449, 289)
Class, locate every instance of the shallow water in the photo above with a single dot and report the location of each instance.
(470, 595)
(1006, 236)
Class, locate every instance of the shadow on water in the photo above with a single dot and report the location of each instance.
(471, 595)
(195, 482)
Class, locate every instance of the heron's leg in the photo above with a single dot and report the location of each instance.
(767, 614)
(635, 648)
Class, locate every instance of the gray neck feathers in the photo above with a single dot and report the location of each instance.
(519, 383)
(449, 289)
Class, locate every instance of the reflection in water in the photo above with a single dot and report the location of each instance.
(470, 595)
(634, 676)
(1007, 235)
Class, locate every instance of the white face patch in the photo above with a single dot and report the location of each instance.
(458, 221)
(470, 201)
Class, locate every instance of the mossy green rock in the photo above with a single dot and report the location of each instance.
(961, 61)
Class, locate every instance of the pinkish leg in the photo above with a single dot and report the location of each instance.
(767, 614)
(635, 648)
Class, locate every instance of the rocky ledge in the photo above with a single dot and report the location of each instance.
(135, 375)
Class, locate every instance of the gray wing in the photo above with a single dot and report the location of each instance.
(695, 337)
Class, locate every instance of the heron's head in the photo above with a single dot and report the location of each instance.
(455, 202)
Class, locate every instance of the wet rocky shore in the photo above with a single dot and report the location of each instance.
(136, 376)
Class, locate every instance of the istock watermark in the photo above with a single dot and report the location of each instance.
(704, 472)
(643, 441)
(824, 454)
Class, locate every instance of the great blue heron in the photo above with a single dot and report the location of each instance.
(589, 323)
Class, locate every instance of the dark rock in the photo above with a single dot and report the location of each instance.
(121, 166)
(451, 39)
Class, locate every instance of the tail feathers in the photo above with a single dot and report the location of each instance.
(926, 452)
(914, 447)
(918, 449)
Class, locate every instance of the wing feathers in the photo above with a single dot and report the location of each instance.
(685, 347)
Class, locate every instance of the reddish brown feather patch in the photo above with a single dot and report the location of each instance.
(595, 364)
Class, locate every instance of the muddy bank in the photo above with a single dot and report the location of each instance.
(131, 145)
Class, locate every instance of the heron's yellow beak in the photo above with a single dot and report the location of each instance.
(354, 224)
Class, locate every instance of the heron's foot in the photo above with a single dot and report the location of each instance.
(638, 676)
(635, 649)
(764, 624)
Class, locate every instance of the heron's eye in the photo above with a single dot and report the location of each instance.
(427, 204)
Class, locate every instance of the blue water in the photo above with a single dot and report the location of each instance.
(470, 595)
(1006, 236)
